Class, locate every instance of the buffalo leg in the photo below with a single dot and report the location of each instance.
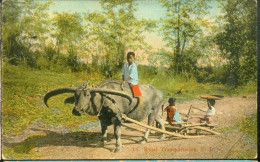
(151, 118)
(159, 119)
(117, 134)
(103, 139)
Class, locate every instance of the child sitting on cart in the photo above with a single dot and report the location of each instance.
(208, 118)
(172, 114)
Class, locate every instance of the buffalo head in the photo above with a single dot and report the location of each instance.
(86, 100)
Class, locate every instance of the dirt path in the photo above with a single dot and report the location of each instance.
(82, 145)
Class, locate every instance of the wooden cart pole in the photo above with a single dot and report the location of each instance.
(198, 109)
(158, 130)
(188, 114)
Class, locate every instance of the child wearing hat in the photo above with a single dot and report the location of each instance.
(210, 113)
(208, 118)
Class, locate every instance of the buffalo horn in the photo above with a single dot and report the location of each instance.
(109, 91)
(57, 91)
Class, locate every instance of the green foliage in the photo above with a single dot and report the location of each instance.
(244, 90)
(22, 97)
(181, 29)
(12, 49)
(248, 125)
(67, 41)
(168, 82)
(237, 41)
(226, 130)
(68, 29)
(24, 25)
(114, 31)
(24, 150)
(213, 74)
(246, 154)
(206, 74)
(35, 22)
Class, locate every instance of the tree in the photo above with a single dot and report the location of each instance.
(22, 21)
(35, 21)
(237, 41)
(116, 30)
(68, 32)
(11, 30)
(181, 28)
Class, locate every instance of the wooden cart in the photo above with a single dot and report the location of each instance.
(188, 128)
(184, 129)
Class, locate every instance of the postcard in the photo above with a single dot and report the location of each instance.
(128, 80)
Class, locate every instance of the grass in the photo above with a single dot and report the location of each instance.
(248, 126)
(25, 149)
(23, 89)
(189, 87)
(22, 92)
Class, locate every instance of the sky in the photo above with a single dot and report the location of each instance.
(148, 9)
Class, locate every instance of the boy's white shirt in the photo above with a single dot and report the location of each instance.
(210, 111)
(130, 71)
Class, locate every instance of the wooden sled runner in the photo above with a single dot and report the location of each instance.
(176, 129)
(184, 129)
(187, 127)
(154, 128)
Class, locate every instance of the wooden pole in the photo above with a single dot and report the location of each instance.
(132, 127)
(198, 109)
(207, 130)
(158, 130)
(189, 114)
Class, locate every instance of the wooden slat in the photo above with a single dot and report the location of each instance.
(132, 127)
(207, 130)
(172, 127)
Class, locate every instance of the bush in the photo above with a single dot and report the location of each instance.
(181, 86)
(205, 74)
(248, 125)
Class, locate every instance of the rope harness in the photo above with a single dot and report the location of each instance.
(103, 101)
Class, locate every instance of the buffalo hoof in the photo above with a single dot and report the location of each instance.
(101, 143)
(143, 140)
(162, 137)
(117, 149)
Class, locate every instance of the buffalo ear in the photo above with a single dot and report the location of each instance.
(84, 85)
(69, 100)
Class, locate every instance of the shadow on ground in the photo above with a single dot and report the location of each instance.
(43, 138)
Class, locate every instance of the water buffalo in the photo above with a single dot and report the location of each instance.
(108, 101)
